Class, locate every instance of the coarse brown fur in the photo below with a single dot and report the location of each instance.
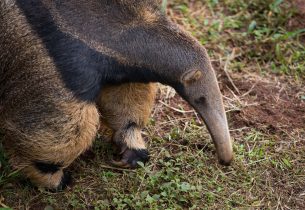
(71, 125)
(59, 59)
(42, 120)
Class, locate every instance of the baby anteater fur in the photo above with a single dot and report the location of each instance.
(64, 65)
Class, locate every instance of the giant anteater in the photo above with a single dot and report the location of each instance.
(62, 62)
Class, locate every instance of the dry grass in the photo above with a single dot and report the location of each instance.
(260, 61)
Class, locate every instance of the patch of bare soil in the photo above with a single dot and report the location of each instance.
(298, 21)
(270, 106)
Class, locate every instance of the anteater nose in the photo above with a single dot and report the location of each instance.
(226, 161)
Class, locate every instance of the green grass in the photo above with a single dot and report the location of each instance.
(183, 173)
(257, 29)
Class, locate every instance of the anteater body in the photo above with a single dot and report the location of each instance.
(63, 64)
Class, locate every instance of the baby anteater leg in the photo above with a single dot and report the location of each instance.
(43, 149)
(126, 109)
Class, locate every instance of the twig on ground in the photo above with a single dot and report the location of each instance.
(115, 168)
(175, 109)
(229, 59)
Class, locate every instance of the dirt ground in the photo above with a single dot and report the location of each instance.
(298, 21)
(273, 106)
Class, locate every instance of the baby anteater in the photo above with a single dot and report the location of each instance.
(65, 63)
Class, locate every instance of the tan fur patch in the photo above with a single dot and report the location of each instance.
(60, 142)
(130, 102)
(50, 181)
(148, 16)
(133, 139)
(126, 103)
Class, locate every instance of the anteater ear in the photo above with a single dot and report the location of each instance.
(191, 76)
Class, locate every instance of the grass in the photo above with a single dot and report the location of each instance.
(258, 30)
(248, 39)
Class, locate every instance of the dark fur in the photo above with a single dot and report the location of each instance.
(47, 167)
(133, 156)
(58, 58)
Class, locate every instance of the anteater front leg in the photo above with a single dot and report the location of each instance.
(43, 144)
(126, 109)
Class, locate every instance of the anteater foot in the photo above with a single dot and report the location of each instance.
(131, 157)
(65, 181)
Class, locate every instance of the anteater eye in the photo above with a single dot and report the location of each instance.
(201, 100)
